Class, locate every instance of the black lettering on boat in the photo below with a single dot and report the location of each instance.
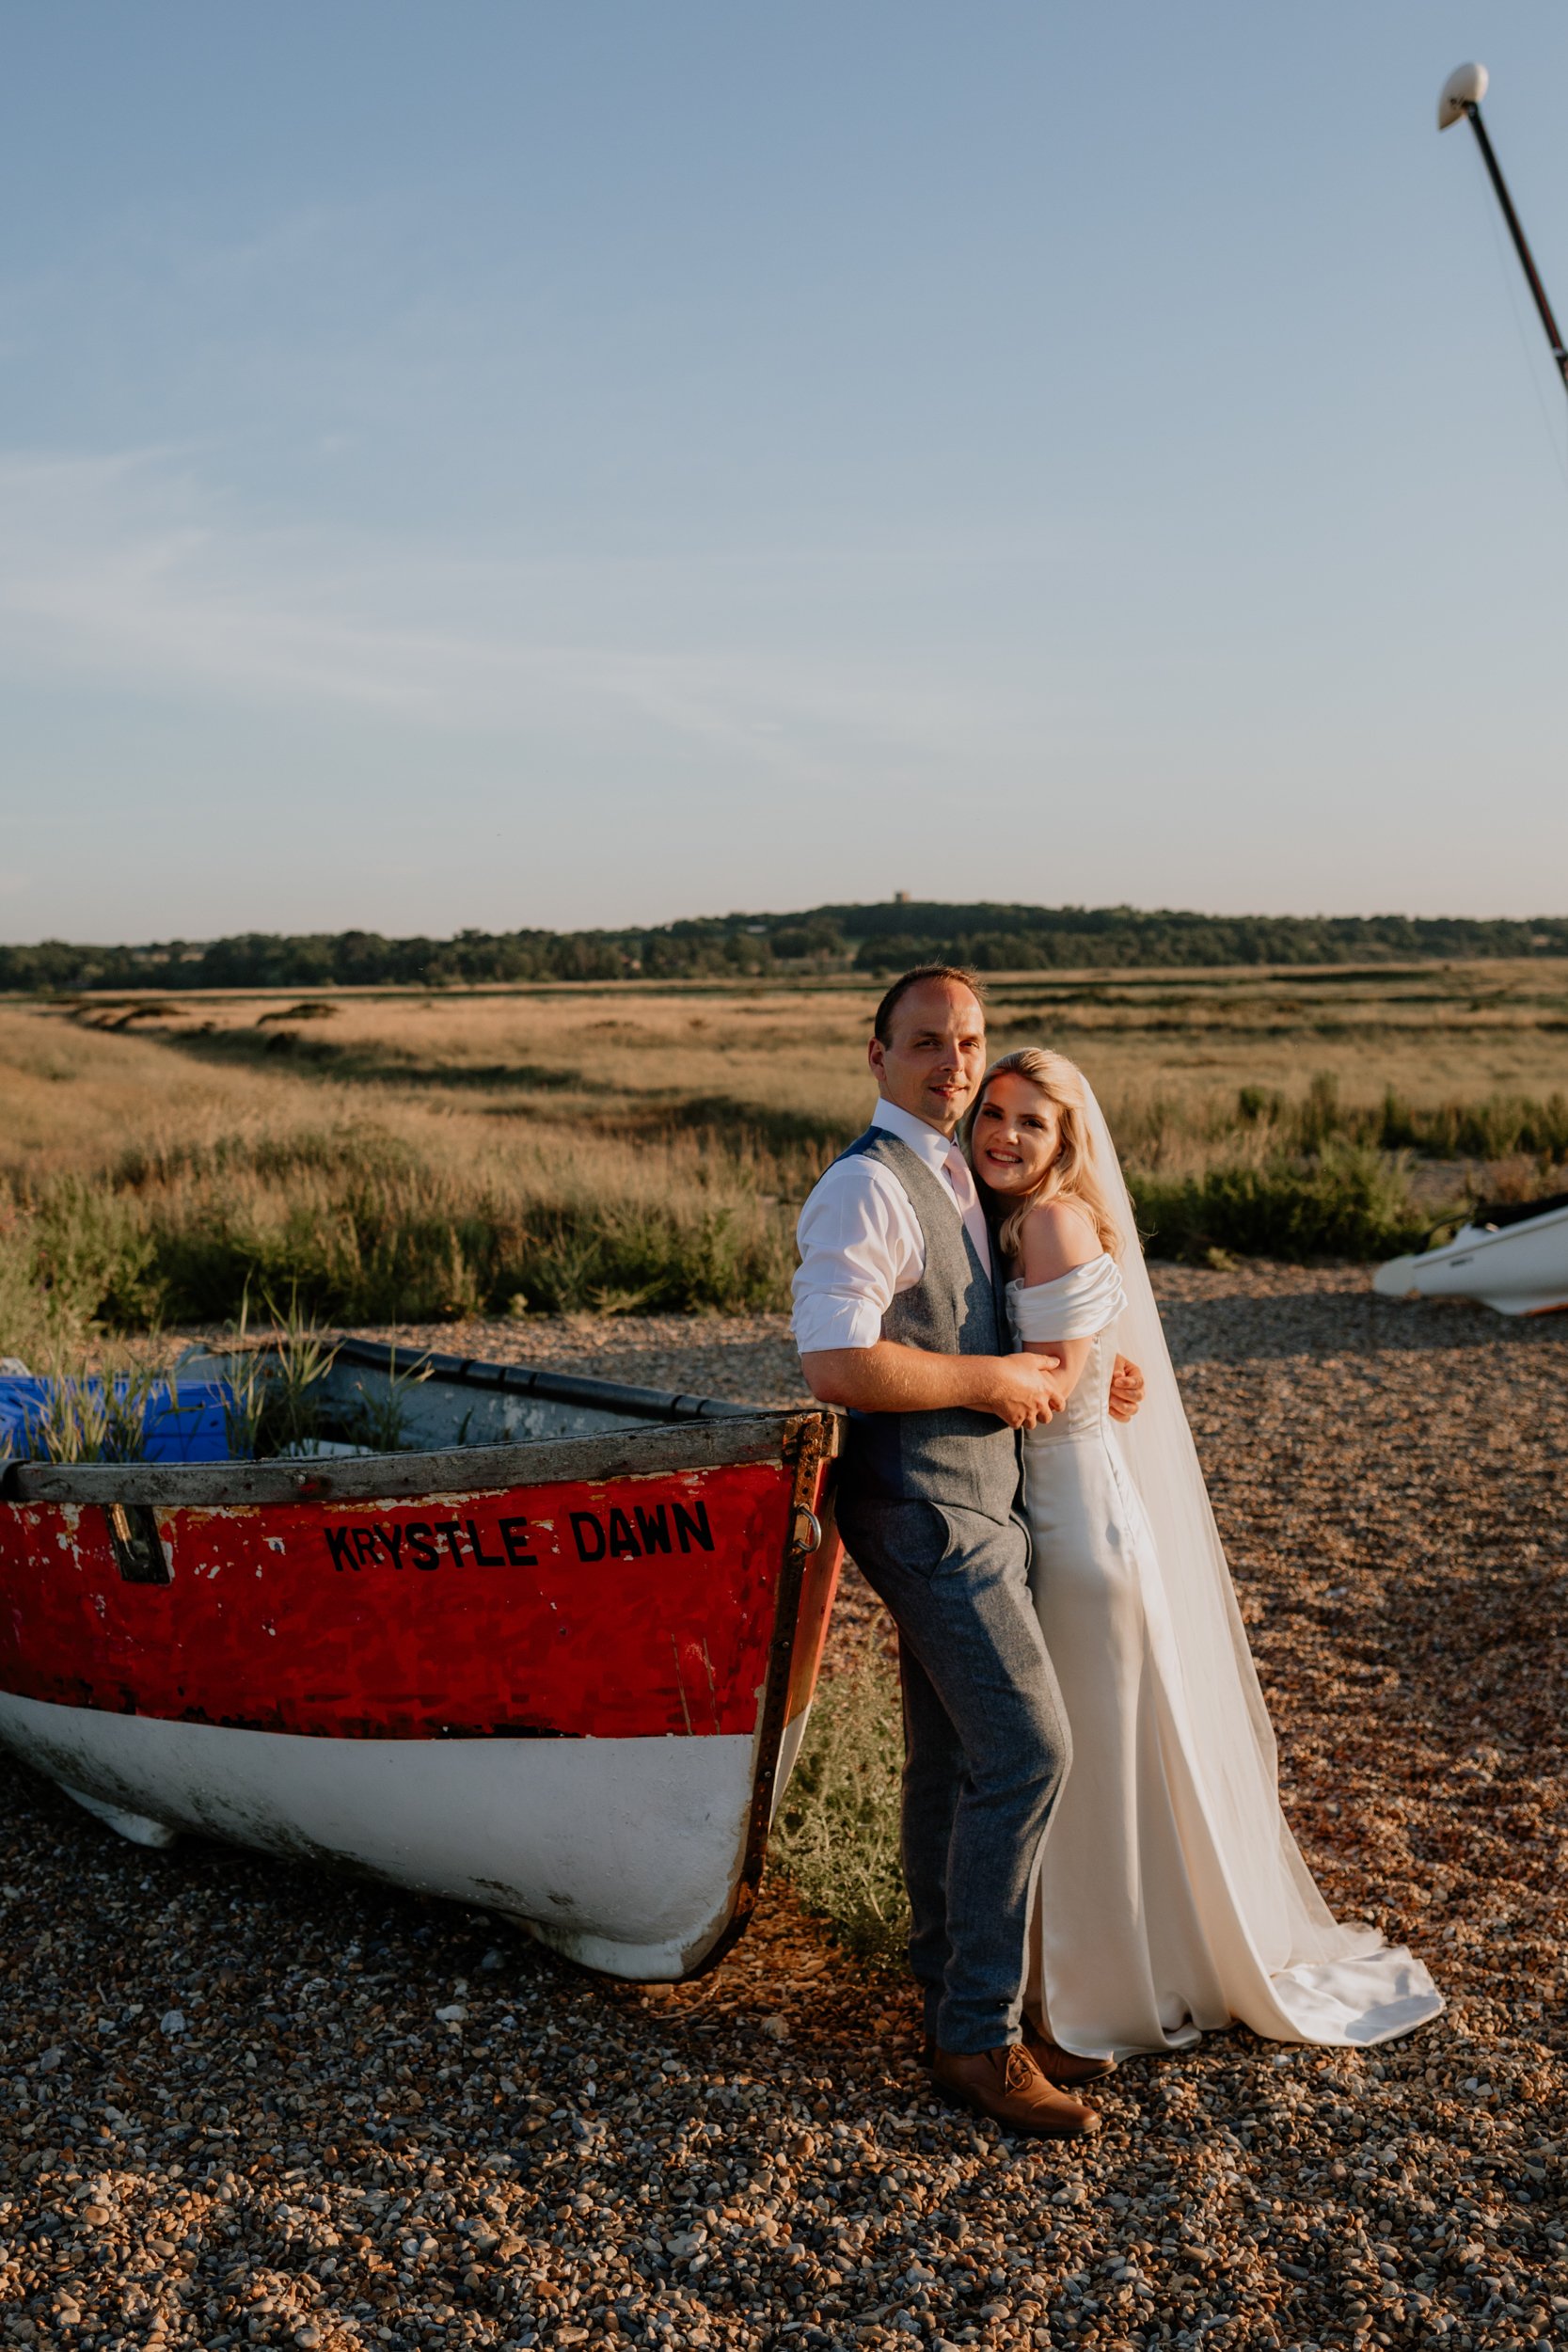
(363, 1540)
(448, 1531)
(422, 1543)
(587, 1535)
(692, 1527)
(622, 1543)
(486, 1559)
(392, 1539)
(654, 1528)
(339, 1549)
(513, 1534)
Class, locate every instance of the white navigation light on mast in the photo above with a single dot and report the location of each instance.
(1460, 97)
(1464, 87)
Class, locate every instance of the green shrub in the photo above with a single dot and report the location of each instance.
(1347, 1203)
(72, 1262)
(361, 1258)
(588, 1254)
(383, 1254)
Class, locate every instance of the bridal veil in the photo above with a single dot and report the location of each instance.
(1310, 1977)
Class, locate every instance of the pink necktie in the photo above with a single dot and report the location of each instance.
(958, 1176)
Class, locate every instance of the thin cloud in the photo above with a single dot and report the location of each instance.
(125, 570)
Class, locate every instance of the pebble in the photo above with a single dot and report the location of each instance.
(321, 2157)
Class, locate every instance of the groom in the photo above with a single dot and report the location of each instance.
(900, 1315)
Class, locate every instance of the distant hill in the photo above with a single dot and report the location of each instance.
(822, 941)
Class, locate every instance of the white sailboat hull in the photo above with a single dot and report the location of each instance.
(1518, 1269)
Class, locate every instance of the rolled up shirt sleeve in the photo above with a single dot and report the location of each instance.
(858, 1247)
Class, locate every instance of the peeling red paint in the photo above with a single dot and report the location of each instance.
(640, 1607)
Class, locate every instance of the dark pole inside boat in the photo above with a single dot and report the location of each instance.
(1462, 94)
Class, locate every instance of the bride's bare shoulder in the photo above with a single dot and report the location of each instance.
(1057, 1236)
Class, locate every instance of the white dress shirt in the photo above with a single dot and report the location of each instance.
(860, 1238)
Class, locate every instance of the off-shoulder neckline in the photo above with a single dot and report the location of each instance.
(1089, 1266)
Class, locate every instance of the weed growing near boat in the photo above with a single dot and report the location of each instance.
(380, 1421)
(278, 1405)
(836, 1835)
(274, 1382)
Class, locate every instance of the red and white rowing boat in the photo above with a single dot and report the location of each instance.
(562, 1672)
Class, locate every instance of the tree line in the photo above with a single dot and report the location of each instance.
(874, 940)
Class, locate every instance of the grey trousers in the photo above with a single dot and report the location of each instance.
(985, 1748)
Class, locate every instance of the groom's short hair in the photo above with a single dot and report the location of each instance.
(881, 1025)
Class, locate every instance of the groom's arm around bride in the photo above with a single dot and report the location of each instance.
(889, 1377)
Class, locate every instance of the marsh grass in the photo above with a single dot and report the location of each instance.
(600, 1150)
(73, 1263)
(384, 1236)
(836, 1832)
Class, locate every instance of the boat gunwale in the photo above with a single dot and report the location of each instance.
(756, 1435)
(1471, 1237)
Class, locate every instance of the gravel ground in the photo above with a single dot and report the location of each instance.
(248, 2103)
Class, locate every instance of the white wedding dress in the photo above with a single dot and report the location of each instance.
(1172, 1897)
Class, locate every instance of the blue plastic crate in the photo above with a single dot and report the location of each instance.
(188, 1426)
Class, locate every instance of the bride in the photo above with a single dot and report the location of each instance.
(1172, 1897)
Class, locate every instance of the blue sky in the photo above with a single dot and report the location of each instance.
(502, 463)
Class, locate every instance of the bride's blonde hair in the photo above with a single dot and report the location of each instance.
(1072, 1177)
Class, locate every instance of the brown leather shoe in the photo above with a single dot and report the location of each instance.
(1064, 2067)
(1007, 2084)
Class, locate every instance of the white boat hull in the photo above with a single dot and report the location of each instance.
(624, 1854)
(1519, 1269)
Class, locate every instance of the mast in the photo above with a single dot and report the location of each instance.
(1460, 95)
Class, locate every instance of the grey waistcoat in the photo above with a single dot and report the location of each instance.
(968, 1460)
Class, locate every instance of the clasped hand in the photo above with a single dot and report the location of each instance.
(1026, 1390)
(1029, 1390)
(1126, 1389)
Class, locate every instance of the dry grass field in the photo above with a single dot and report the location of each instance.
(390, 1154)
